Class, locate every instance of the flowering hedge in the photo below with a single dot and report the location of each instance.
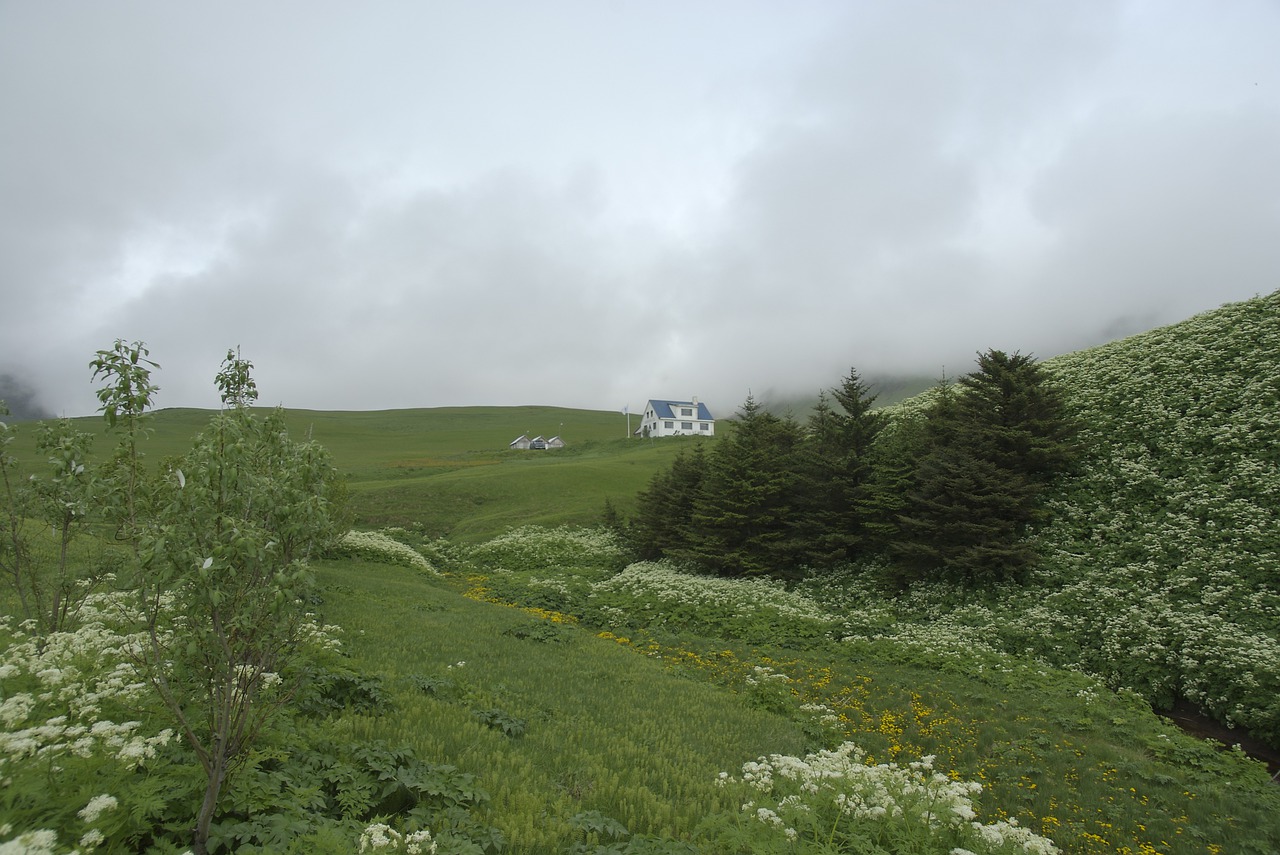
(657, 594)
(380, 837)
(1160, 561)
(549, 569)
(1158, 564)
(380, 546)
(567, 551)
(72, 702)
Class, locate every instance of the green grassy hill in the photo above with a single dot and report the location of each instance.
(1165, 547)
(1160, 575)
(450, 470)
(609, 736)
(596, 705)
(1161, 565)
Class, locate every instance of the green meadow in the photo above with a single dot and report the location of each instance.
(451, 469)
(510, 681)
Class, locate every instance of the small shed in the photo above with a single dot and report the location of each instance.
(537, 443)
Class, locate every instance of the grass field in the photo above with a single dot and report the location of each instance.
(600, 729)
(451, 469)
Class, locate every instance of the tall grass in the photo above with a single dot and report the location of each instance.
(604, 730)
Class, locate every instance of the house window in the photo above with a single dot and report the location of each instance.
(686, 412)
(703, 426)
(668, 425)
(686, 426)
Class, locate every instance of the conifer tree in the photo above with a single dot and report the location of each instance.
(860, 423)
(664, 508)
(835, 507)
(742, 521)
(816, 514)
(966, 520)
(609, 516)
(647, 529)
(1019, 414)
(986, 454)
(892, 459)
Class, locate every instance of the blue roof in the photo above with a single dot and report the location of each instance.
(663, 409)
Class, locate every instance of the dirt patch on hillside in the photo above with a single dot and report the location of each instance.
(1190, 719)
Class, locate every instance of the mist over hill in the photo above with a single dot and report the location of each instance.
(21, 399)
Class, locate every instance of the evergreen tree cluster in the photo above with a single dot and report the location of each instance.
(955, 494)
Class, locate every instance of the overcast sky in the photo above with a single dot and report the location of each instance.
(589, 204)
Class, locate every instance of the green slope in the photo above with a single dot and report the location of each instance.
(450, 469)
(1166, 545)
(1161, 565)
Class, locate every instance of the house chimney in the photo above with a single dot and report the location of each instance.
(695, 400)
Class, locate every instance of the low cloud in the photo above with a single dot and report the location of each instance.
(411, 208)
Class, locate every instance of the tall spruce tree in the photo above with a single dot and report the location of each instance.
(987, 453)
(664, 509)
(893, 459)
(834, 508)
(647, 531)
(742, 523)
(816, 513)
(1019, 415)
(966, 520)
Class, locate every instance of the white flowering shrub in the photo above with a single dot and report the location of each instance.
(39, 842)
(1163, 549)
(73, 702)
(379, 546)
(833, 801)
(380, 837)
(590, 552)
(651, 594)
(544, 568)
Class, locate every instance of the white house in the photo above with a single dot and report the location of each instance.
(676, 418)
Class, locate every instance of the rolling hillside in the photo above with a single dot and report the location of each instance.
(1161, 565)
(530, 669)
(1166, 546)
(450, 470)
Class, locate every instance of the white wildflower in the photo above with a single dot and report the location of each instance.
(419, 843)
(41, 842)
(379, 836)
(97, 805)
